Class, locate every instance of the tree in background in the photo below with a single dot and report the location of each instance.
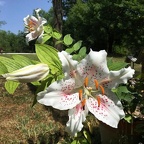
(107, 24)
(58, 18)
(11, 42)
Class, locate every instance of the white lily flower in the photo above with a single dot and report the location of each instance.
(34, 27)
(29, 73)
(87, 87)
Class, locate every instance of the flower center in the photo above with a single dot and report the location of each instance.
(87, 92)
(31, 25)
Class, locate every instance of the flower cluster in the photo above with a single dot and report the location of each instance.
(86, 86)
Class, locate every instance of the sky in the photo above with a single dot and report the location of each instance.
(13, 12)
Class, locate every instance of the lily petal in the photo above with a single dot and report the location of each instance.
(68, 64)
(107, 112)
(121, 76)
(76, 117)
(29, 18)
(60, 95)
(94, 65)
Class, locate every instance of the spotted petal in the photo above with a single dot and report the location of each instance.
(68, 64)
(94, 65)
(107, 112)
(60, 95)
(76, 117)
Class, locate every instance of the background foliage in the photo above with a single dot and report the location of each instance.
(116, 26)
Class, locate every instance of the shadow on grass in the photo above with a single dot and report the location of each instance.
(58, 115)
(51, 138)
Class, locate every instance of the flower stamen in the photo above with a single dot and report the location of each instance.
(31, 25)
(86, 82)
(102, 89)
(96, 84)
(83, 102)
(98, 100)
(80, 94)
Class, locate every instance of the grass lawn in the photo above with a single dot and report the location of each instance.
(22, 124)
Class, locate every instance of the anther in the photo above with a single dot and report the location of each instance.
(80, 94)
(96, 83)
(83, 102)
(86, 82)
(98, 100)
(102, 89)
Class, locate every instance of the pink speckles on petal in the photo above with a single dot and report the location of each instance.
(68, 85)
(107, 112)
(69, 99)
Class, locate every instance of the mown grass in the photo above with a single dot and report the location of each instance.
(22, 124)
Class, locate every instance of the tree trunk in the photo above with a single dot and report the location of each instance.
(110, 43)
(57, 7)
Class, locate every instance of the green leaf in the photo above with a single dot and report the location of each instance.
(123, 93)
(77, 45)
(10, 64)
(115, 65)
(48, 29)
(76, 57)
(45, 38)
(68, 40)
(58, 42)
(22, 60)
(82, 51)
(87, 136)
(11, 86)
(3, 68)
(75, 142)
(56, 35)
(48, 55)
(70, 50)
(128, 118)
